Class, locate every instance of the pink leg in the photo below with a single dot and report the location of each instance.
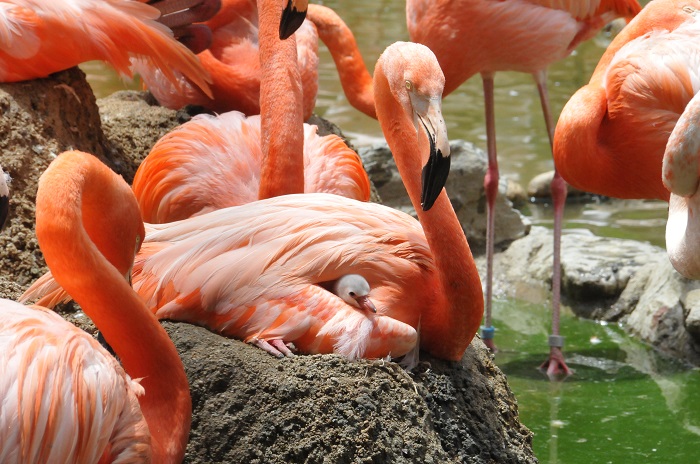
(276, 348)
(555, 364)
(491, 188)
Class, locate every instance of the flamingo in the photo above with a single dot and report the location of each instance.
(680, 176)
(233, 60)
(38, 38)
(181, 15)
(516, 35)
(258, 271)
(214, 162)
(627, 111)
(65, 398)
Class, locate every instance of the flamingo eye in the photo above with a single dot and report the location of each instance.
(409, 85)
(352, 294)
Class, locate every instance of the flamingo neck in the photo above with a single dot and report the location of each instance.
(281, 120)
(69, 189)
(448, 325)
(354, 76)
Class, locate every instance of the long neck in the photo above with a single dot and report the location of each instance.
(354, 76)
(449, 325)
(67, 191)
(282, 125)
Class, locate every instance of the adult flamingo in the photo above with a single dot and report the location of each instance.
(37, 39)
(627, 111)
(517, 35)
(259, 271)
(234, 62)
(680, 176)
(65, 398)
(214, 162)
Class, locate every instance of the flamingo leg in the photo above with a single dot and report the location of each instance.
(491, 188)
(555, 366)
(276, 348)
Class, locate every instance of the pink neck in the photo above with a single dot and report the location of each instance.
(448, 326)
(282, 125)
(137, 338)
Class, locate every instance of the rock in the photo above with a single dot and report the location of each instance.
(540, 188)
(248, 406)
(609, 279)
(40, 119)
(464, 186)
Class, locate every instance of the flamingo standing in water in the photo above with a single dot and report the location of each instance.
(680, 176)
(258, 271)
(486, 36)
(38, 38)
(233, 60)
(214, 162)
(65, 398)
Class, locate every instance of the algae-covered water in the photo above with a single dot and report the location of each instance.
(625, 403)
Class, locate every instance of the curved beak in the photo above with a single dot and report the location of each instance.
(365, 303)
(293, 16)
(428, 117)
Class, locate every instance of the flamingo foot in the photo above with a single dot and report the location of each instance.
(555, 367)
(487, 334)
(276, 347)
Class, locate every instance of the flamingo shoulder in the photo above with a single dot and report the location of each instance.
(65, 399)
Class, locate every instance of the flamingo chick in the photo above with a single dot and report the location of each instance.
(64, 398)
(354, 290)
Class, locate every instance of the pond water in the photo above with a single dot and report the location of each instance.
(625, 403)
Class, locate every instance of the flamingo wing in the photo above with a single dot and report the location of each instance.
(64, 398)
(272, 254)
(38, 38)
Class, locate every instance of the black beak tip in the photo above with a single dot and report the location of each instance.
(292, 19)
(434, 175)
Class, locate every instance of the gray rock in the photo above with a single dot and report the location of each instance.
(540, 187)
(465, 187)
(609, 279)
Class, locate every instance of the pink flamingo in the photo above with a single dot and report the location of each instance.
(259, 271)
(65, 398)
(515, 35)
(36, 39)
(214, 162)
(234, 64)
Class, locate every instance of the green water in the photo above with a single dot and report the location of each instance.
(625, 404)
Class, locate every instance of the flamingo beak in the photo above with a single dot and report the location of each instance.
(437, 168)
(365, 303)
(293, 16)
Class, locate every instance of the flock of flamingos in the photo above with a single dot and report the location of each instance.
(262, 230)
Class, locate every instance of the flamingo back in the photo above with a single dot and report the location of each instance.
(64, 398)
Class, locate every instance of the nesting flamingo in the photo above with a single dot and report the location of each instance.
(214, 162)
(37, 39)
(65, 398)
(258, 271)
(485, 36)
(233, 60)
